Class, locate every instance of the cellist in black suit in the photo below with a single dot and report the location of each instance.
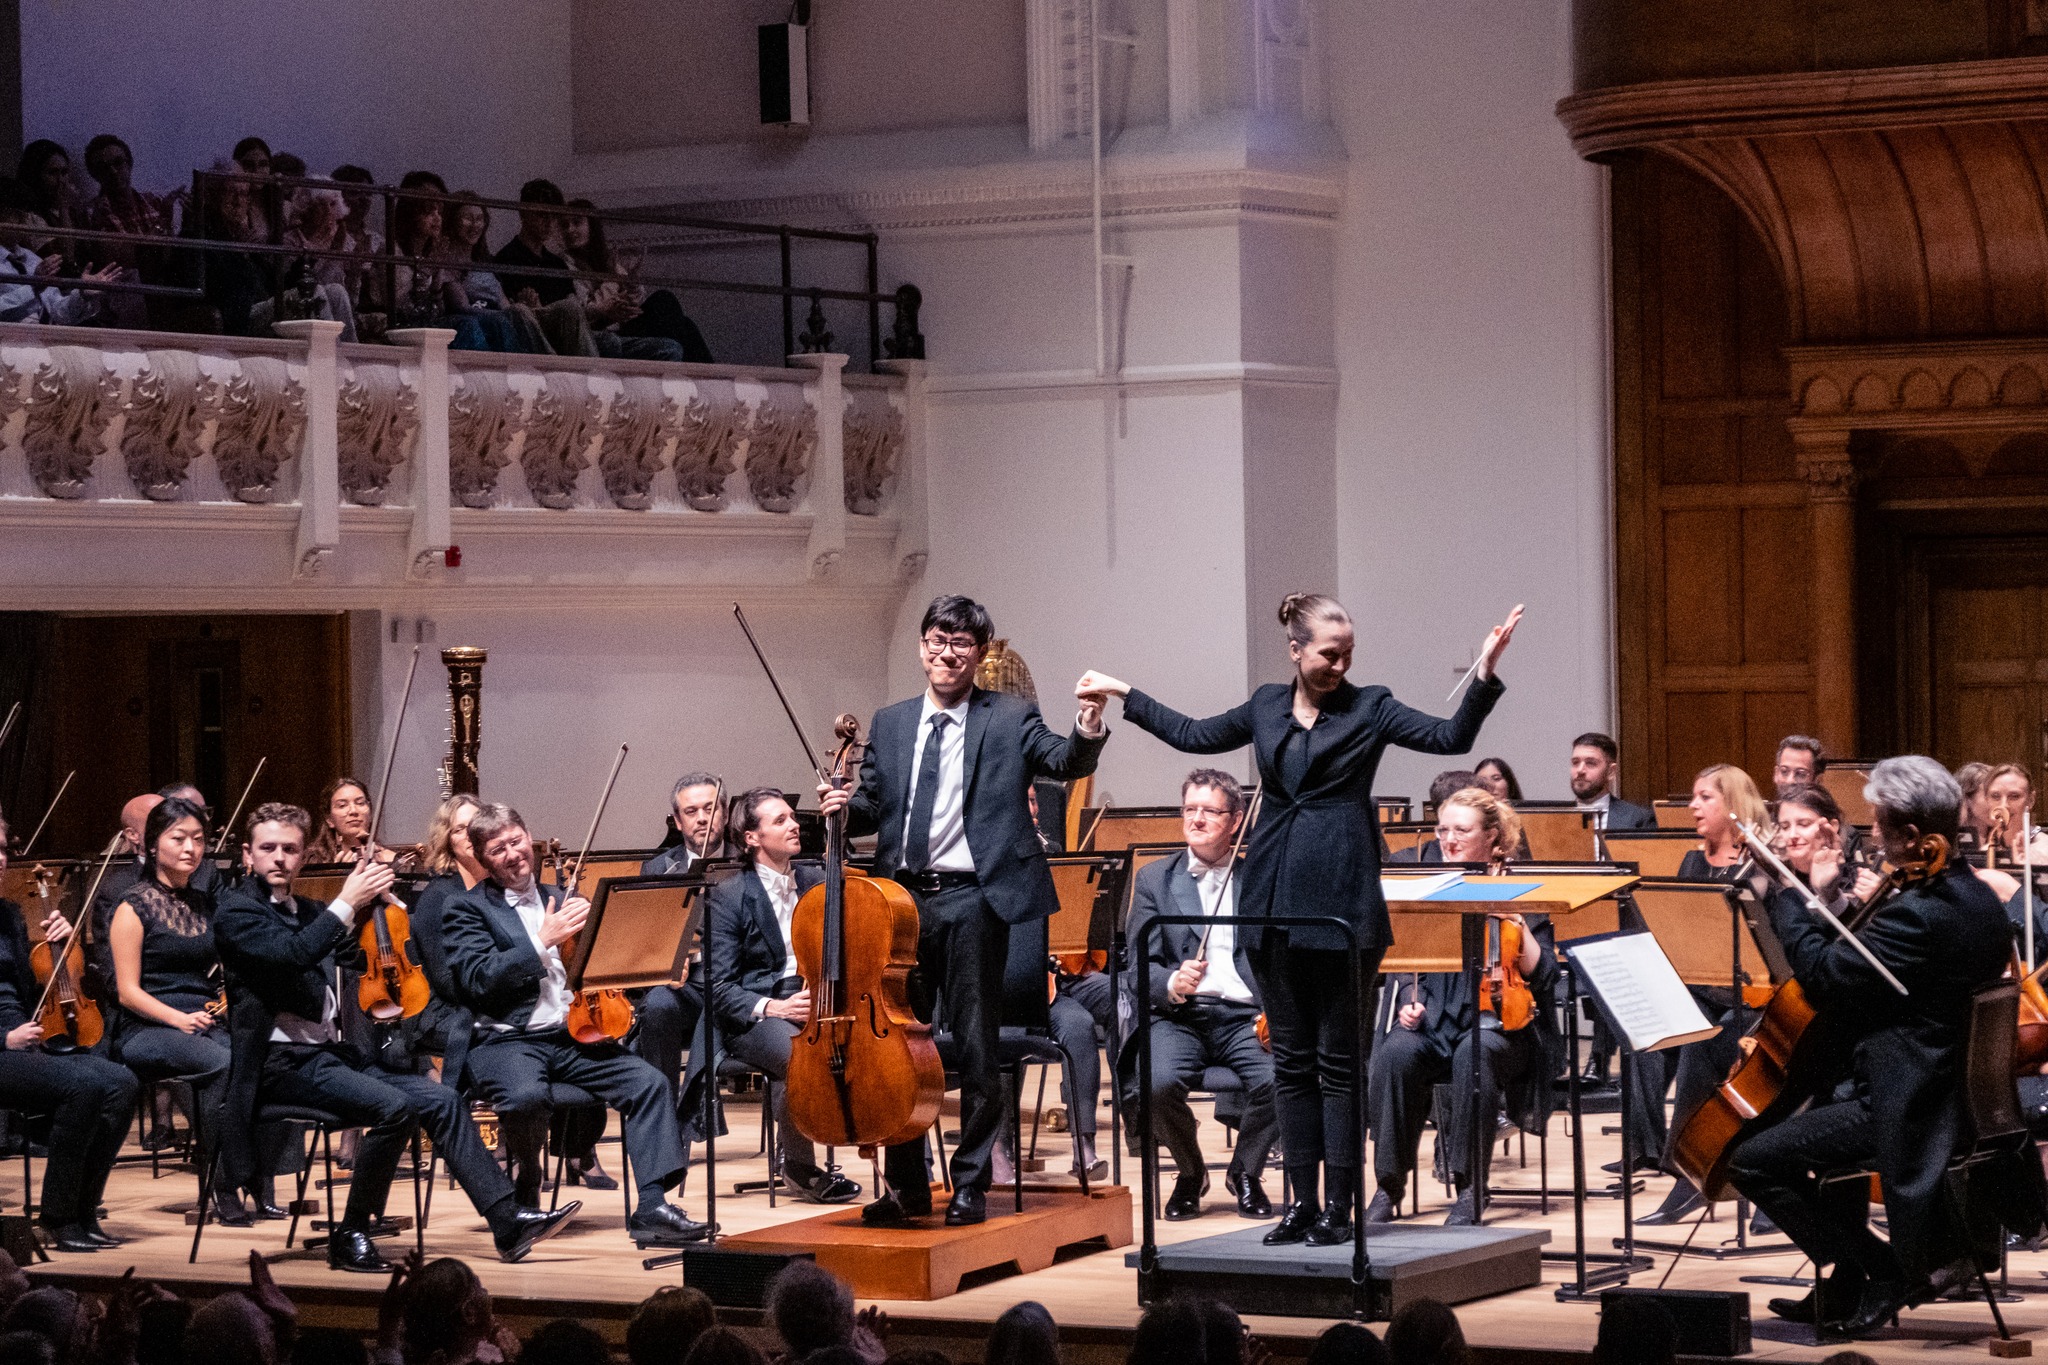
(1316, 852)
(760, 999)
(946, 788)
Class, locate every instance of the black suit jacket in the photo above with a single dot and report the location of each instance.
(744, 946)
(18, 989)
(1165, 888)
(1944, 940)
(1316, 851)
(1007, 744)
(1628, 815)
(491, 966)
(676, 860)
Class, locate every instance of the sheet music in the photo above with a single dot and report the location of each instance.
(1401, 886)
(1640, 991)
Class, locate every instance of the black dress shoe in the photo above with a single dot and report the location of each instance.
(229, 1211)
(1381, 1209)
(969, 1206)
(1645, 1165)
(352, 1249)
(1683, 1201)
(1464, 1213)
(71, 1237)
(269, 1212)
(1186, 1200)
(892, 1210)
(1880, 1305)
(523, 1229)
(591, 1176)
(1293, 1225)
(665, 1225)
(102, 1236)
(816, 1186)
(1844, 1288)
(1332, 1226)
(1250, 1194)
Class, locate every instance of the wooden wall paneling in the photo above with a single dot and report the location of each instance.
(1637, 544)
(1702, 585)
(1768, 717)
(1776, 619)
(1700, 729)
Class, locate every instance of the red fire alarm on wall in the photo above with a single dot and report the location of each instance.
(452, 556)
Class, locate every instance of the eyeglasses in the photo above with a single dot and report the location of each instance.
(1212, 812)
(959, 646)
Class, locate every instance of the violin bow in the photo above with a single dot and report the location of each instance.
(810, 754)
(391, 752)
(42, 824)
(2027, 886)
(596, 818)
(717, 805)
(1790, 879)
(1251, 813)
(71, 926)
(7, 726)
(236, 813)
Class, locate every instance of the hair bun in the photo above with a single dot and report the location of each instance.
(1291, 607)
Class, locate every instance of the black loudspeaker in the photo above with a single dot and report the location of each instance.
(1710, 1322)
(739, 1279)
(785, 75)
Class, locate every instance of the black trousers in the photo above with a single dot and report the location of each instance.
(158, 1052)
(444, 1116)
(1509, 1057)
(1312, 1017)
(331, 1078)
(514, 1071)
(1407, 1066)
(91, 1102)
(1092, 993)
(1073, 1028)
(1201, 1035)
(664, 1018)
(961, 948)
(1779, 1170)
(765, 1047)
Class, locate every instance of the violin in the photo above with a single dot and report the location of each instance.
(863, 1071)
(1503, 993)
(1772, 1076)
(393, 986)
(71, 1020)
(605, 1014)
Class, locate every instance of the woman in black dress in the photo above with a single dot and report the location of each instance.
(1316, 852)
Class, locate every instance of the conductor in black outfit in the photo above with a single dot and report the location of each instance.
(1316, 852)
(1944, 939)
(945, 789)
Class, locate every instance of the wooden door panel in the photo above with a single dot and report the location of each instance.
(1700, 729)
(1702, 555)
(1776, 608)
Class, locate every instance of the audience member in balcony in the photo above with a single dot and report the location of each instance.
(316, 213)
(426, 294)
(572, 327)
(24, 294)
(120, 207)
(365, 281)
(657, 315)
(252, 157)
(234, 281)
(477, 288)
(45, 172)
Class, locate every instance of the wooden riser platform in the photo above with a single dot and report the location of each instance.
(928, 1260)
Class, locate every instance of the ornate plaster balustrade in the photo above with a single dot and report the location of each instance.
(298, 467)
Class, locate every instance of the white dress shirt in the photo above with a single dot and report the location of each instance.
(1598, 806)
(290, 1028)
(782, 898)
(949, 851)
(1222, 980)
(551, 1006)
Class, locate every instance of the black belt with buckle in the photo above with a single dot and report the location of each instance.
(932, 883)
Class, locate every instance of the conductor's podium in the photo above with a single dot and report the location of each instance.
(1437, 929)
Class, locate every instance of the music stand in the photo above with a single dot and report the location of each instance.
(634, 937)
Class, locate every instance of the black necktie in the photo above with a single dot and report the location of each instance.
(917, 844)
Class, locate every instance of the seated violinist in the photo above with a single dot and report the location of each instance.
(503, 942)
(1944, 937)
(345, 823)
(90, 1100)
(285, 955)
(761, 1001)
(1205, 1004)
(1433, 1037)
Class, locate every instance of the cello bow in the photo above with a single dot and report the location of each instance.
(1787, 877)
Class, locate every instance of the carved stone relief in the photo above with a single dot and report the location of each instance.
(66, 402)
(785, 428)
(377, 414)
(874, 446)
(483, 417)
(558, 432)
(636, 430)
(709, 429)
(166, 410)
(260, 416)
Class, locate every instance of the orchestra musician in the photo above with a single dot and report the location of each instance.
(1595, 764)
(345, 822)
(1944, 938)
(89, 1099)
(1433, 1038)
(1721, 795)
(1205, 1009)
(286, 957)
(945, 789)
(1976, 822)
(1316, 852)
(165, 970)
(121, 874)
(699, 822)
(502, 943)
(761, 1001)
(1798, 763)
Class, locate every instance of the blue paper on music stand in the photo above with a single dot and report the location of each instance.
(1483, 891)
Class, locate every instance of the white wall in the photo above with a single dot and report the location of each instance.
(1472, 456)
(475, 89)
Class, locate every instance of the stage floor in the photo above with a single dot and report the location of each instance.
(593, 1270)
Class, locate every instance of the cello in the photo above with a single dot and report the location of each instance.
(864, 1070)
(1778, 1055)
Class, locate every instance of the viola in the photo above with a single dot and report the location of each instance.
(863, 1071)
(1773, 1076)
(71, 1020)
